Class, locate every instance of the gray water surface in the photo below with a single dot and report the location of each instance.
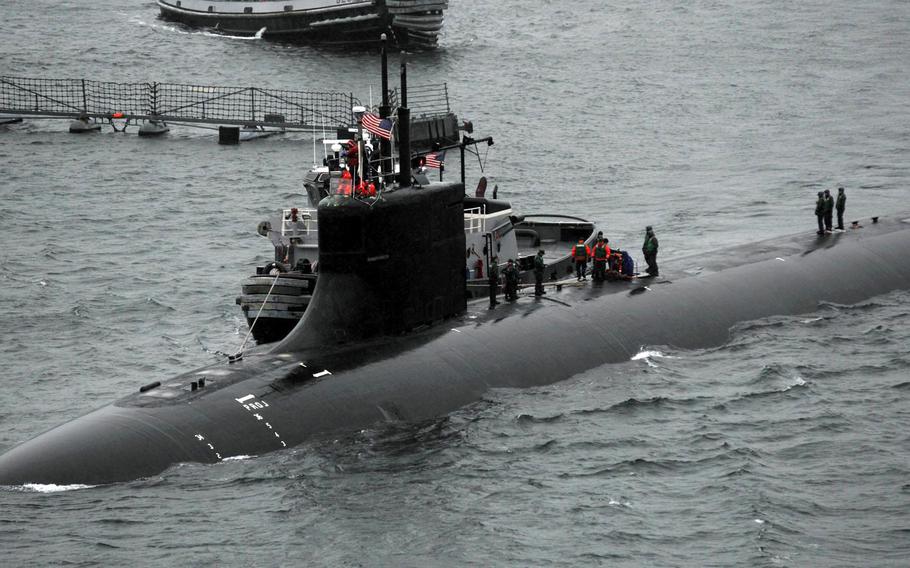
(715, 122)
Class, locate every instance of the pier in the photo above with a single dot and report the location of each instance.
(154, 105)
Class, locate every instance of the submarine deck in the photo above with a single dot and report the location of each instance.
(567, 292)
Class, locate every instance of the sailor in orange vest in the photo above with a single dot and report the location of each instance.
(601, 255)
(581, 253)
(345, 184)
(351, 158)
(366, 189)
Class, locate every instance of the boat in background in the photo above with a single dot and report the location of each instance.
(413, 24)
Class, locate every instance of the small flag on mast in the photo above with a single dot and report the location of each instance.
(381, 127)
(436, 159)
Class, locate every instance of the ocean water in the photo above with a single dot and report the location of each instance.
(714, 122)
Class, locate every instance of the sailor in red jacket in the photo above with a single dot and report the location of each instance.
(581, 253)
(601, 256)
(351, 159)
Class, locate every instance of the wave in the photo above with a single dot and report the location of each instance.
(240, 457)
(47, 487)
(776, 372)
(647, 355)
(798, 384)
(188, 31)
(160, 304)
(530, 419)
(634, 404)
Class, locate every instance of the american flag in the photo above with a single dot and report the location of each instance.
(436, 159)
(381, 127)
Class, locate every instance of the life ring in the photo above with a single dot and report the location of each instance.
(264, 228)
(274, 266)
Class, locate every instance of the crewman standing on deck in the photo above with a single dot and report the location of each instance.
(840, 206)
(581, 253)
(493, 273)
(820, 212)
(352, 160)
(649, 249)
(829, 211)
(539, 267)
(601, 256)
(511, 276)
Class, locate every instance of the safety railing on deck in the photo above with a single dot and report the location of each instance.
(305, 225)
(426, 100)
(474, 220)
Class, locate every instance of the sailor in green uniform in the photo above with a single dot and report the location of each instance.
(493, 272)
(511, 276)
(539, 267)
(829, 211)
(649, 249)
(820, 212)
(840, 206)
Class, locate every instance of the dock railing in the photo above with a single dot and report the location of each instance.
(173, 102)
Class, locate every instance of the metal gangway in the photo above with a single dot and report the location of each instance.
(176, 103)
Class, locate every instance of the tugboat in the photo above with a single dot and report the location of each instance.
(277, 295)
(413, 24)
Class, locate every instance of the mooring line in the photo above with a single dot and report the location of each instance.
(252, 325)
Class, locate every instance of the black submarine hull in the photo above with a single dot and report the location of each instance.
(275, 400)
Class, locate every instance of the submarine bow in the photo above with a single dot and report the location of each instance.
(333, 374)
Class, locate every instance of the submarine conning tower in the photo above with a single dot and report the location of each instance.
(385, 266)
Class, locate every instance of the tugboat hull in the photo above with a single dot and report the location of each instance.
(273, 305)
(412, 23)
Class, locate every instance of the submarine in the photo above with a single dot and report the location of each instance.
(381, 344)
(389, 336)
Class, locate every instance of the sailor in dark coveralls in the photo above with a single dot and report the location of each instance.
(493, 273)
(840, 206)
(649, 249)
(829, 211)
(539, 267)
(510, 274)
(820, 212)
